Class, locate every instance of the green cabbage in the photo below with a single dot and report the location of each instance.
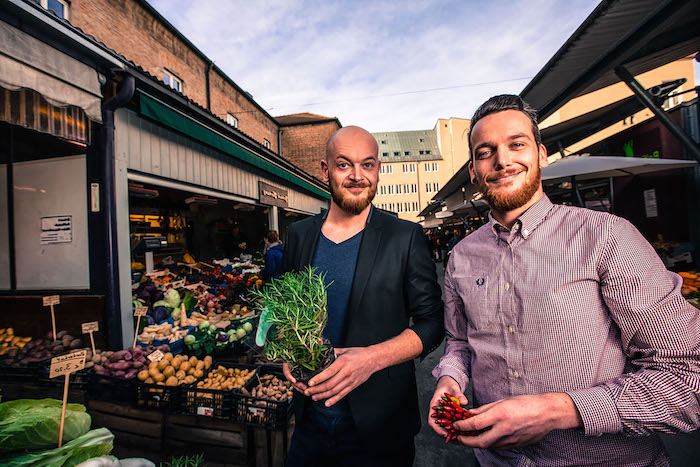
(94, 443)
(173, 298)
(27, 424)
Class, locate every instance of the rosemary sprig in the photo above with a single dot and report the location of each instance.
(296, 303)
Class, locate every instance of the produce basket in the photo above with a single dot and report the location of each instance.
(212, 402)
(264, 411)
(154, 396)
(20, 374)
(110, 389)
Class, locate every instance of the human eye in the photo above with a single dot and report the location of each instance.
(369, 165)
(483, 153)
(342, 165)
(518, 144)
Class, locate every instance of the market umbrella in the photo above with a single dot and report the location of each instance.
(590, 167)
(577, 168)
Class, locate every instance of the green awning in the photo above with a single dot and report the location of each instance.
(155, 110)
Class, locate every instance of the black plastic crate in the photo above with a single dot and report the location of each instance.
(20, 374)
(212, 402)
(110, 389)
(156, 396)
(262, 411)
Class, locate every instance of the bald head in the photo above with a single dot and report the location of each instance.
(351, 136)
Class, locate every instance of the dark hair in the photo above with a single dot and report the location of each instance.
(499, 104)
(271, 236)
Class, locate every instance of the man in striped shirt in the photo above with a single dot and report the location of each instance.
(577, 340)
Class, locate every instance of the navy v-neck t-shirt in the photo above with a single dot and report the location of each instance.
(337, 261)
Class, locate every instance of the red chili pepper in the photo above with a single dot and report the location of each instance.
(448, 395)
(444, 421)
(460, 409)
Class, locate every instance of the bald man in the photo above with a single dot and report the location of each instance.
(384, 310)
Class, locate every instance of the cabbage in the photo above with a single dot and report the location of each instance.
(173, 298)
(162, 303)
(94, 443)
(34, 424)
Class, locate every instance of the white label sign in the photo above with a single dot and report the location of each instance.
(156, 356)
(52, 300)
(141, 311)
(93, 326)
(56, 229)
(650, 203)
(66, 364)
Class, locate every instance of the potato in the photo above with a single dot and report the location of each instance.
(191, 371)
(200, 365)
(159, 377)
(193, 360)
(168, 356)
(184, 366)
(143, 375)
(153, 371)
(172, 381)
(163, 364)
(180, 375)
(169, 371)
(189, 380)
(207, 362)
(153, 365)
(149, 381)
(198, 374)
(176, 362)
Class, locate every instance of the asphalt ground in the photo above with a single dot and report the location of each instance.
(431, 449)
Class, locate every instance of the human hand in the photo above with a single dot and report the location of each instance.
(352, 367)
(445, 384)
(287, 372)
(519, 421)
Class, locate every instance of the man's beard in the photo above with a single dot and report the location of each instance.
(352, 204)
(505, 202)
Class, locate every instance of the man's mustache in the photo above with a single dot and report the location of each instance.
(355, 185)
(505, 173)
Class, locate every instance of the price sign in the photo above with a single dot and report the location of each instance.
(93, 326)
(67, 364)
(140, 311)
(178, 284)
(156, 356)
(52, 300)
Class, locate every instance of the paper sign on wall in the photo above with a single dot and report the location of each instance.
(56, 229)
(650, 205)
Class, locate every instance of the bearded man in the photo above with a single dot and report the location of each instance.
(576, 339)
(384, 309)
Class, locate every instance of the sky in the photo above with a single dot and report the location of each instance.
(385, 65)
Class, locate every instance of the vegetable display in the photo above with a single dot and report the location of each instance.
(174, 370)
(34, 424)
(271, 387)
(38, 350)
(226, 379)
(10, 344)
(127, 363)
(296, 304)
(448, 411)
(94, 443)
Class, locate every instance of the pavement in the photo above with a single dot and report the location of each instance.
(432, 451)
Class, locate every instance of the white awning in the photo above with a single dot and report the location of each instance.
(27, 62)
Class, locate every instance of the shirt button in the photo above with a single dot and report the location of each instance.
(507, 286)
(516, 375)
(510, 329)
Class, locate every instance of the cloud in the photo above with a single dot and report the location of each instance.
(331, 57)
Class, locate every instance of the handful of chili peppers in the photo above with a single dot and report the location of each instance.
(448, 411)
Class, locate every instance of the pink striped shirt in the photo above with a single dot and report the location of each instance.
(576, 301)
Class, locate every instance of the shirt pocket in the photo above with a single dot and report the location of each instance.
(474, 290)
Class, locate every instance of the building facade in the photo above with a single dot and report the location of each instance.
(303, 138)
(417, 164)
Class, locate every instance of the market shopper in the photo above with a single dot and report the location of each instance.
(363, 409)
(273, 253)
(575, 337)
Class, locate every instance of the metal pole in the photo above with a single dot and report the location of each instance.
(577, 193)
(611, 194)
(649, 101)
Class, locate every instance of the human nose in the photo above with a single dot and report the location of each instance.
(503, 158)
(356, 173)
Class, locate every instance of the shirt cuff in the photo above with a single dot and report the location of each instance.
(445, 370)
(598, 411)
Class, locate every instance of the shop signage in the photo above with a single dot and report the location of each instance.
(650, 203)
(156, 356)
(273, 196)
(93, 326)
(66, 364)
(56, 229)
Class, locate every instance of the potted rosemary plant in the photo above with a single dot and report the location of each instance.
(296, 307)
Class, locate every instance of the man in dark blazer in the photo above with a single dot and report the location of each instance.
(384, 309)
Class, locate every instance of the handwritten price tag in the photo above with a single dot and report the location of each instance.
(52, 300)
(156, 356)
(140, 311)
(93, 326)
(178, 284)
(66, 364)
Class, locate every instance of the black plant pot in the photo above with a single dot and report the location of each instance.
(303, 375)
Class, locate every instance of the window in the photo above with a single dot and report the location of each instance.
(414, 188)
(399, 207)
(428, 167)
(231, 120)
(407, 207)
(427, 151)
(435, 166)
(407, 188)
(172, 81)
(386, 169)
(60, 7)
(409, 168)
(421, 140)
(398, 189)
(385, 154)
(407, 153)
(382, 190)
(390, 189)
(428, 187)
(396, 153)
(266, 143)
(383, 141)
(414, 205)
(436, 187)
(422, 152)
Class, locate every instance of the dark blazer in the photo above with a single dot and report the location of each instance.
(394, 282)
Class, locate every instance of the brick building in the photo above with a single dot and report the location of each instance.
(304, 137)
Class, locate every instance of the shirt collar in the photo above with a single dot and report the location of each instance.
(529, 220)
